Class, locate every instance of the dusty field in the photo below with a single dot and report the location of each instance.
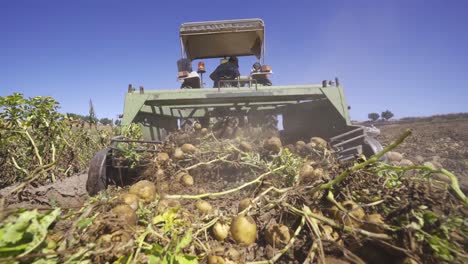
(443, 143)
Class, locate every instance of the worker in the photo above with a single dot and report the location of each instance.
(226, 71)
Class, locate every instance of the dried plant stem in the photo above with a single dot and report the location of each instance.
(286, 248)
(332, 223)
(359, 166)
(207, 195)
(454, 184)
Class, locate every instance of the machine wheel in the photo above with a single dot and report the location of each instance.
(97, 173)
(371, 147)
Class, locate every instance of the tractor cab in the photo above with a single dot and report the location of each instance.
(222, 39)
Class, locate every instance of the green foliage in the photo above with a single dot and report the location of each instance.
(128, 151)
(92, 115)
(25, 233)
(173, 253)
(105, 121)
(373, 116)
(436, 231)
(34, 134)
(387, 114)
(170, 221)
(292, 163)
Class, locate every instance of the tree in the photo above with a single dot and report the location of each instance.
(118, 122)
(373, 116)
(386, 115)
(92, 115)
(105, 121)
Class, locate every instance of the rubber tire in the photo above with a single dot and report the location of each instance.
(97, 173)
(371, 147)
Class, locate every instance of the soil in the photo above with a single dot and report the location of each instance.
(442, 142)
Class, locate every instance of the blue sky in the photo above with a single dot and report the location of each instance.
(409, 56)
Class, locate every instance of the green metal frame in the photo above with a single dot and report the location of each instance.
(159, 110)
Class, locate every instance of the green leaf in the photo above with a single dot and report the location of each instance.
(13, 232)
(185, 259)
(184, 241)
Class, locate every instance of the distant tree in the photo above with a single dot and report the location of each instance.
(92, 115)
(105, 121)
(373, 116)
(76, 116)
(386, 115)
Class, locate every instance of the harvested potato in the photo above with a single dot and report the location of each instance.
(319, 142)
(186, 179)
(300, 145)
(178, 154)
(232, 254)
(197, 126)
(188, 148)
(375, 220)
(162, 157)
(159, 174)
(245, 146)
(204, 131)
(277, 235)
(125, 213)
(129, 199)
(243, 204)
(406, 162)
(203, 206)
(344, 217)
(273, 144)
(306, 174)
(244, 230)
(354, 209)
(394, 156)
(215, 260)
(145, 190)
(220, 231)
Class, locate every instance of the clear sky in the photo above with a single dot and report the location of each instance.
(409, 56)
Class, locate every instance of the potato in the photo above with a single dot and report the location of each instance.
(215, 260)
(273, 144)
(319, 173)
(330, 234)
(406, 162)
(354, 209)
(197, 126)
(186, 179)
(204, 131)
(188, 148)
(394, 156)
(345, 218)
(319, 142)
(125, 213)
(232, 254)
(145, 190)
(178, 154)
(376, 219)
(306, 174)
(244, 230)
(245, 146)
(203, 206)
(220, 231)
(129, 199)
(243, 204)
(277, 235)
(299, 147)
(162, 157)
